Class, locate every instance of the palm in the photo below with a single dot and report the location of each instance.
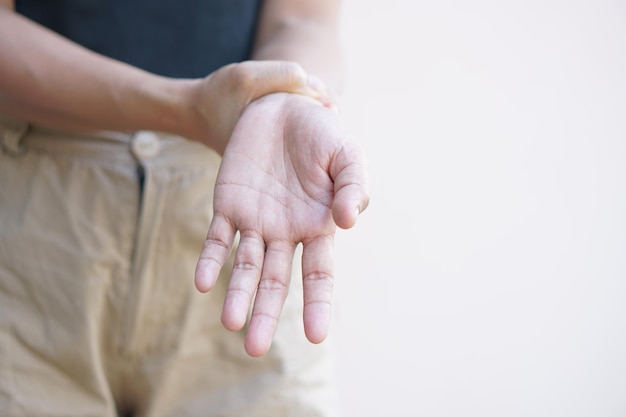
(286, 163)
(267, 182)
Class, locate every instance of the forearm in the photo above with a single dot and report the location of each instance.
(45, 78)
(307, 34)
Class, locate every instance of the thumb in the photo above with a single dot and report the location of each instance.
(349, 173)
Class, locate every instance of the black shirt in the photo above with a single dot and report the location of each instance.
(186, 38)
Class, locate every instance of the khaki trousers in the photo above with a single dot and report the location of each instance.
(99, 236)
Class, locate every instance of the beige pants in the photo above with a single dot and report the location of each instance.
(99, 236)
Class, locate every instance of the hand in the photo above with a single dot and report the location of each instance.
(290, 174)
(219, 99)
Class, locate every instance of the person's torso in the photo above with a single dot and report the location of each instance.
(189, 38)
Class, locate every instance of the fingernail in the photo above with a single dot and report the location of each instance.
(316, 84)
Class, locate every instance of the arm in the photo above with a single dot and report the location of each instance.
(49, 80)
(304, 31)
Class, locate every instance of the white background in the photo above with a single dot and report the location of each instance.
(488, 276)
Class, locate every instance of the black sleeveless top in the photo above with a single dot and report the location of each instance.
(185, 38)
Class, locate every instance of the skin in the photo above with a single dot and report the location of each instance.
(310, 180)
(53, 82)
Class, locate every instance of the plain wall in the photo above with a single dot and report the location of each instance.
(488, 276)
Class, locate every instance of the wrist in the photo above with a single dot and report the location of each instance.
(171, 110)
(192, 119)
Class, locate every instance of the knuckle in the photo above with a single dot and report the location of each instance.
(273, 284)
(293, 71)
(324, 303)
(212, 242)
(246, 266)
(318, 287)
(261, 314)
(242, 75)
(241, 290)
(209, 259)
(318, 277)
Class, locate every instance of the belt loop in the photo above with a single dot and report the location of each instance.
(12, 137)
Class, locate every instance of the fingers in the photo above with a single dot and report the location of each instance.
(260, 78)
(349, 173)
(244, 280)
(215, 251)
(269, 278)
(317, 276)
(270, 297)
(327, 98)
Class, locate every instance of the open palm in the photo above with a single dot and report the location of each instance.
(290, 174)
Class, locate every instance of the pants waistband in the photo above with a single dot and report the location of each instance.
(17, 137)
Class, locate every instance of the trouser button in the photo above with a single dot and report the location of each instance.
(145, 145)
